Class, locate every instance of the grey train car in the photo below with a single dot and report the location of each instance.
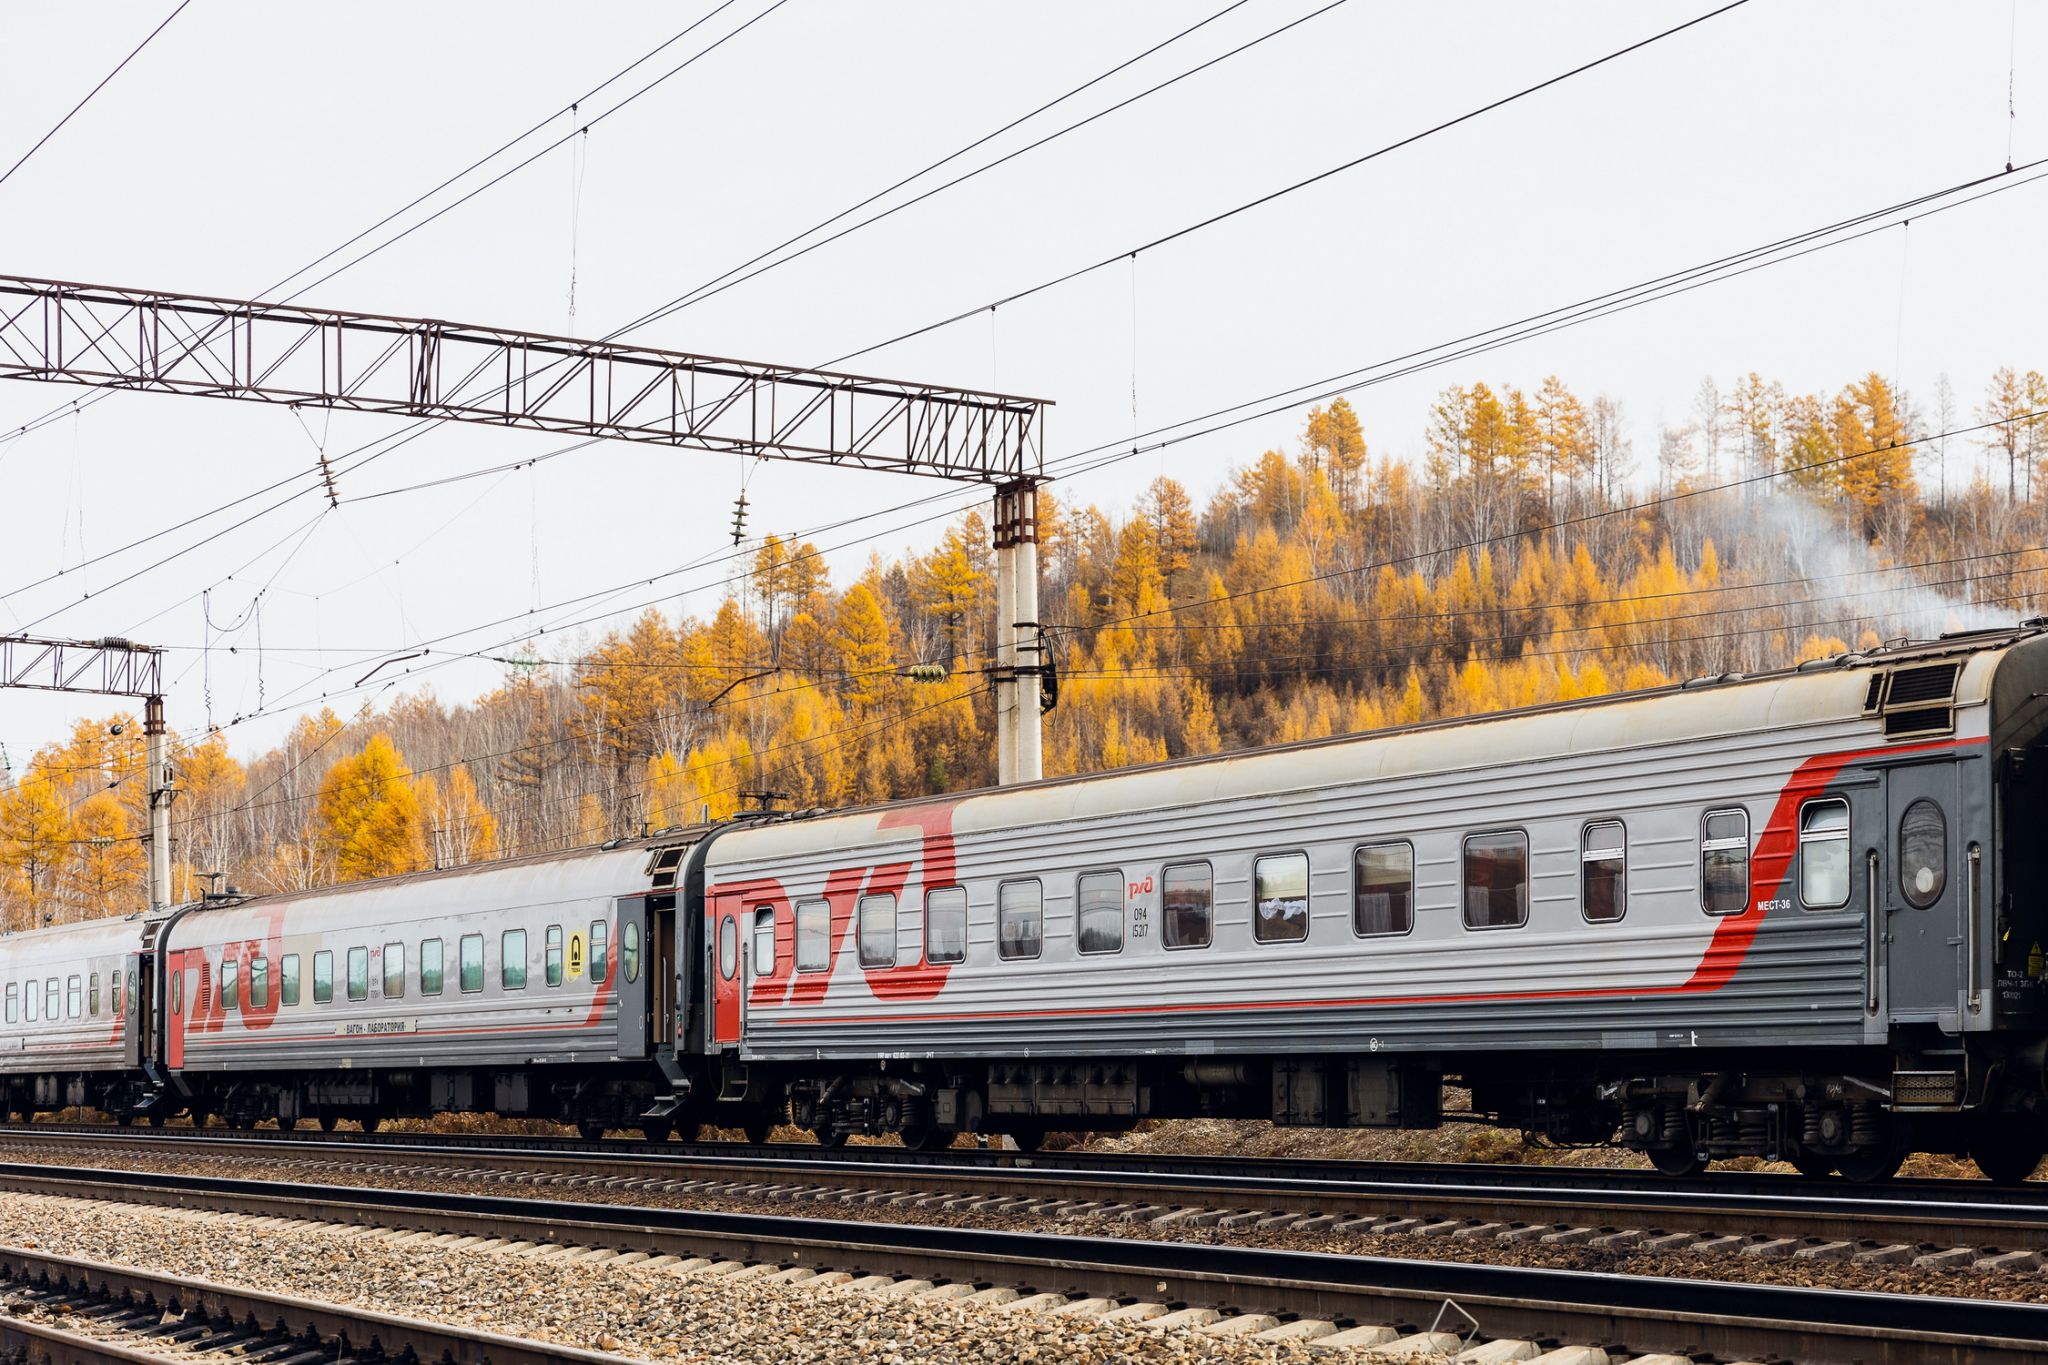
(1790, 915)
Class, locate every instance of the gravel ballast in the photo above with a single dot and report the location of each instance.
(605, 1306)
(1960, 1281)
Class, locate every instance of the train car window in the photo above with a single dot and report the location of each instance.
(1724, 862)
(230, 983)
(431, 950)
(629, 952)
(13, 1003)
(470, 962)
(53, 1000)
(945, 924)
(92, 996)
(1099, 912)
(1187, 902)
(1280, 885)
(600, 948)
(512, 960)
(323, 977)
(728, 946)
(764, 940)
(259, 982)
(1497, 880)
(394, 971)
(131, 985)
(74, 997)
(1923, 853)
(1020, 919)
(28, 1000)
(1603, 871)
(813, 936)
(114, 989)
(877, 930)
(1382, 889)
(359, 973)
(288, 979)
(552, 954)
(1824, 854)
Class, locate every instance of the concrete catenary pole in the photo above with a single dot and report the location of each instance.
(162, 791)
(1017, 675)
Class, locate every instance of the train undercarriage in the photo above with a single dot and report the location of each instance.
(1854, 1114)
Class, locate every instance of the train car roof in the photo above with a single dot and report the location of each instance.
(1833, 688)
(614, 868)
(52, 942)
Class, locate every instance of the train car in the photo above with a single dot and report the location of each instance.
(1792, 915)
(526, 987)
(73, 1001)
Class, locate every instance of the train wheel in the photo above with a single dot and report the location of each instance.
(370, 1124)
(1677, 1162)
(2006, 1158)
(159, 1120)
(1869, 1165)
(1027, 1139)
(689, 1131)
(1812, 1165)
(927, 1138)
(590, 1129)
(328, 1122)
(757, 1132)
(654, 1132)
(829, 1137)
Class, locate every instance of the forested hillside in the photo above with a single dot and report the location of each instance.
(1526, 553)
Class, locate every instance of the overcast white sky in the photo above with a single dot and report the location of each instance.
(250, 138)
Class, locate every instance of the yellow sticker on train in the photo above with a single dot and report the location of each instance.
(575, 956)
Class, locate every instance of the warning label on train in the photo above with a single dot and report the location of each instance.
(575, 956)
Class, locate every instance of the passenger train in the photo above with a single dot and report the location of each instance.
(1796, 915)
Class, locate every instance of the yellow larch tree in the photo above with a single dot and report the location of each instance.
(367, 817)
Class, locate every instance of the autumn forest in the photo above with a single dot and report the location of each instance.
(1515, 547)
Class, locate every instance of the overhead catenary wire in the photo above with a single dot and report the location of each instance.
(742, 273)
(415, 202)
(1407, 141)
(119, 67)
(1294, 187)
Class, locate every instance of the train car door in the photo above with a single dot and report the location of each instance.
(132, 1017)
(661, 972)
(184, 981)
(1924, 883)
(725, 970)
(633, 970)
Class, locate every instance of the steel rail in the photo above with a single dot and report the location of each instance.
(1836, 1212)
(1639, 1314)
(340, 1330)
(1493, 1174)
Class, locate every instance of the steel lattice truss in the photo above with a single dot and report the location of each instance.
(116, 667)
(419, 367)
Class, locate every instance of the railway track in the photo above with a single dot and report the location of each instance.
(1319, 1297)
(65, 1309)
(1952, 1225)
(1589, 1178)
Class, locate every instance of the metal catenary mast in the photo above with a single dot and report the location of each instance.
(116, 338)
(110, 668)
